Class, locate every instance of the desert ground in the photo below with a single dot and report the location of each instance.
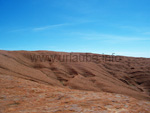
(34, 82)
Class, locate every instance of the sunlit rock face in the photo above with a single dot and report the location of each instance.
(83, 71)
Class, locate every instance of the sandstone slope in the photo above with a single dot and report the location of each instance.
(128, 75)
(24, 96)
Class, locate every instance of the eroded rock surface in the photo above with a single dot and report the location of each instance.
(24, 96)
(124, 75)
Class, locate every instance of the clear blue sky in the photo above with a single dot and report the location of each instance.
(99, 26)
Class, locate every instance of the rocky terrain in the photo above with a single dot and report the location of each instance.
(24, 96)
(37, 81)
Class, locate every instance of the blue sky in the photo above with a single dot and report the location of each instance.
(99, 26)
